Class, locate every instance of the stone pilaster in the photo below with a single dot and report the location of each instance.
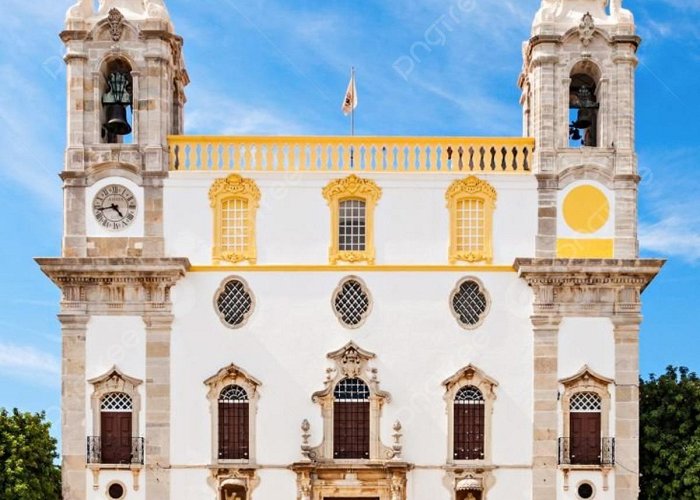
(546, 387)
(73, 331)
(158, 331)
(626, 406)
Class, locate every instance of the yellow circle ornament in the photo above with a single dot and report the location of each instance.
(586, 209)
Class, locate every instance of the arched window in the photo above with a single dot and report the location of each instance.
(234, 201)
(469, 424)
(351, 419)
(584, 105)
(471, 203)
(585, 427)
(352, 201)
(117, 101)
(115, 424)
(233, 423)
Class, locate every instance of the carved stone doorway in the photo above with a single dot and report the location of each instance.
(469, 495)
(233, 492)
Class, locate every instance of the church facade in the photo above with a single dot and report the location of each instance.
(378, 318)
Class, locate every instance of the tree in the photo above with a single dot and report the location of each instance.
(27, 454)
(670, 436)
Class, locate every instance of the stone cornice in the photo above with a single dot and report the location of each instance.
(115, 285)
(588, 287)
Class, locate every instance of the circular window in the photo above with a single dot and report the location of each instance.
(585, 490)
(234, 302)
(470, 303)
(116, 491)
(351, 302)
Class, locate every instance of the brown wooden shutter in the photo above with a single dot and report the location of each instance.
(233, 430)
(116, 437)
(468, 430)
(585, 438)
(350, 429)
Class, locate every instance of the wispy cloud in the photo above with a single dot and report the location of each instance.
(29, 363)
(673, 237)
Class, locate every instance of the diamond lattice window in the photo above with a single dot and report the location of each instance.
(351, 302)
(470, 303)
(586, 402)
(234, 303)
(116, 402)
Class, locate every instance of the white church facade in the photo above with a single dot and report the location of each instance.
(377, 318)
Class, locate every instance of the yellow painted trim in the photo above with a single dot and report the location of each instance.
(382, 268)
(571, 248)
(471, 188)
(226, 189)
(352, 187)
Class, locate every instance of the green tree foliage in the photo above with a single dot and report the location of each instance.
(670, 436)
(27, 454)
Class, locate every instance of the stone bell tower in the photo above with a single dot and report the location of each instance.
(125, 83)
(578, 104)
(126, 80)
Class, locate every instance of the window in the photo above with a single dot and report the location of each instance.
(470, 303)
(116, 404)
(469, 424)
(235, 201)
(351, 419)
(233, 423)
(586, 412)
(234, 302)
(351, 302)
(471, 203)
(585, 490)
(352, 201)
(116, 490)
(470, 396)
(233, 396)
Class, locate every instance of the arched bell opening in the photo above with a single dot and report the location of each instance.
(117, 101)
(584, 105)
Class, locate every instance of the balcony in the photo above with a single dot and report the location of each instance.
(114, 451)
(352, 154)
(587, 451)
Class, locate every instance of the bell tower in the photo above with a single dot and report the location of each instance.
(126, 80)
(578, 103)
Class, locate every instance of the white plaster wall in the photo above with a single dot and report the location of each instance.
(595, 477)
(411, 218)
(123, 476)
(411, 329)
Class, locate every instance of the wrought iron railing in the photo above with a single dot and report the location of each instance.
(587, 451)
(123, 455)
(352, 154)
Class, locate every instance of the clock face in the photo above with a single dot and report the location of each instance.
(114, 207)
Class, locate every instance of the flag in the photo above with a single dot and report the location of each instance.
(350, 101)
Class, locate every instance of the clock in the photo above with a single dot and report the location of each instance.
(114, 207)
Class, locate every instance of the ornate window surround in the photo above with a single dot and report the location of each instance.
(234, 187)
(352, 188)
(115, 381)
(586, 380)
(470, 375)
(483, 290)
(221, 289)
(232, 375)
(471, 188)
(337, 292)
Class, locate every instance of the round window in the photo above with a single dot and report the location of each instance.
(351, 302)
(585, 490)
(116, 491)
(234, 302)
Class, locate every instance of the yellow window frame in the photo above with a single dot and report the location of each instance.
(467, 189)
(234, 187)
(352, 188)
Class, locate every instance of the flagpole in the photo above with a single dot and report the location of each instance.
(352, 114)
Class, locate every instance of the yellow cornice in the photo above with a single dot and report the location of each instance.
(382, 268)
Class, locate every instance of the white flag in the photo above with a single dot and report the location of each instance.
(350, 101)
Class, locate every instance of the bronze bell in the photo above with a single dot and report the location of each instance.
(116, 122)
(584, 119)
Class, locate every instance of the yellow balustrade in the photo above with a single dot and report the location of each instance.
(351, 154)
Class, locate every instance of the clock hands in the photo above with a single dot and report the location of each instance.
(114, 207)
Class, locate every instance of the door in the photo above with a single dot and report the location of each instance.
(585, 438)
(116, 437)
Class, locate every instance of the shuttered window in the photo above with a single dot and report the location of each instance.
(233, 423)
(469, 424)
(351, 419)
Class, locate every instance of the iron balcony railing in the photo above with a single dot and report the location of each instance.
(114, 452)
(587, 451)
(498, 155)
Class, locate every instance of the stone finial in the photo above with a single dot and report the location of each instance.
(305, 435)
(397, 447)
(81, 10)
(157, 9)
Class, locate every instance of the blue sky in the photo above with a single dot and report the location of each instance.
(280, 67)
